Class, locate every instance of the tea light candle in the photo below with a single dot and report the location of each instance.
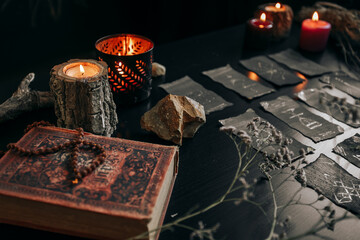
(314, 34)
(281, 15)
(82, 96)
(259, 31)
(81, 70)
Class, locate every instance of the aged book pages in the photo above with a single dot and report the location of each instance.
(125, 196)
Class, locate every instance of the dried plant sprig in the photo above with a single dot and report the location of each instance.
(244, 141)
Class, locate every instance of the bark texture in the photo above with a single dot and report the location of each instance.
(84, 102)
(24, 100)
(282, 20)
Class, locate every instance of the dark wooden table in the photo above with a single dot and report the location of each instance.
(208, 161)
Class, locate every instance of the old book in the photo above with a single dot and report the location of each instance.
(125, 196)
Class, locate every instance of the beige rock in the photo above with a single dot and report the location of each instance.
(158, 70)
(174, 117)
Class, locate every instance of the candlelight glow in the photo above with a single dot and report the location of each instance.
(278, 5)
(263, 17)
(127, 47)
(131, 47)
(253, 76)
(315, 16)
(300, 86)
(82, 70)
(300, 75)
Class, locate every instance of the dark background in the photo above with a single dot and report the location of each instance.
(33, 39)
(34, 31)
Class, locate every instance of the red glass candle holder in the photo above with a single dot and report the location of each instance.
(129, 58)
(258, 33)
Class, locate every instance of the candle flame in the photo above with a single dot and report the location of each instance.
(82, 70)
(263, 17)
(315, 16)
(131, 47)
(278, 5)
(127, 47)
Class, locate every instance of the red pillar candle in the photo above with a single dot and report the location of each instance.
(259, 32)
(314, 34)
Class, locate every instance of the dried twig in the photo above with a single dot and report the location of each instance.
(24, 100)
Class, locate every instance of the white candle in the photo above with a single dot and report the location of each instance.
(81, 70)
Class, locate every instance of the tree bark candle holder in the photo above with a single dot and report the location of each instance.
(282, 17)
(129, 59)
(83, 97)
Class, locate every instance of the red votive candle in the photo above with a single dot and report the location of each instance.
(314, 34)
(259, 32)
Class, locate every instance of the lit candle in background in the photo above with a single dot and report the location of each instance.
(281, 15)
(277, 8)
(259, 31)
(81, 70)
(314, 34)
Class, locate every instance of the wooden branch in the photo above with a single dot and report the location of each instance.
(24, 100)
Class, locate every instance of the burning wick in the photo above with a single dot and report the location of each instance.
(315, 16)
(82, 70)
(263, 19)
(278, 5)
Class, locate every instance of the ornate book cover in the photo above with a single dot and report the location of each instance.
(125, 196)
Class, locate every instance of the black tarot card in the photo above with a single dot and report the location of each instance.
(238, 82)
(327, 177)
(350, 149)
(187, 87)
(331, 105)
(260, 140)
(297, 62)
(271, 71)
(299, 118)
(343, 82)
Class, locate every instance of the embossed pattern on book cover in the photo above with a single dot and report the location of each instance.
(126, 184)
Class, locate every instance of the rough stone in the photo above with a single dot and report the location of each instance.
(174, 117)
(158, 70)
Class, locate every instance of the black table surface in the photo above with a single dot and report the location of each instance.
(209, 160)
